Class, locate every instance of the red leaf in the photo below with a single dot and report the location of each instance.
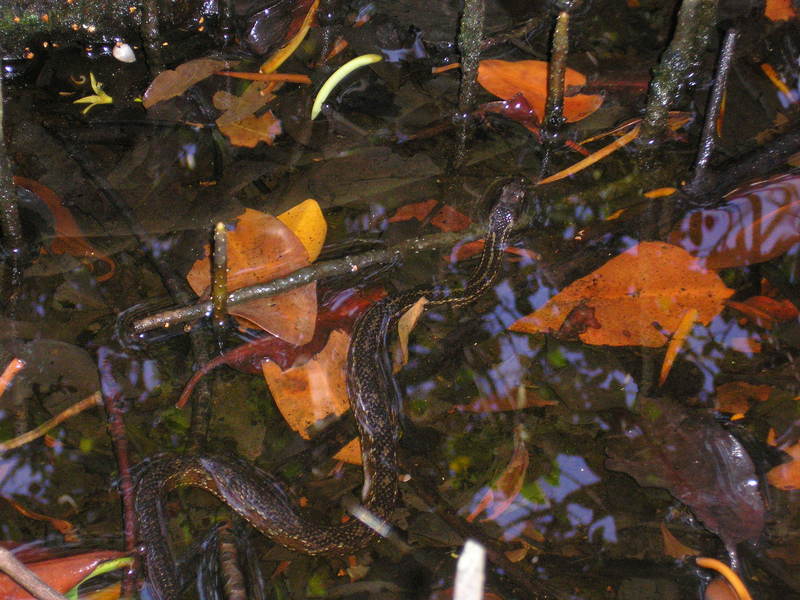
(447, 219)
(62, 574)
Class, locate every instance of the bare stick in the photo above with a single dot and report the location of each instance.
(715, 102)
(26, 578)
(42, 429)
(14, 367)
(470, 37)
(219, 276)
(554, 108)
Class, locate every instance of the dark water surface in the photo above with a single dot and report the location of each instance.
(596, 423)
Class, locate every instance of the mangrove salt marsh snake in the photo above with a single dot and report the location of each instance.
(262, 499)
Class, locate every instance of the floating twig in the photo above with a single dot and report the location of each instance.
(42, 429)
(708, 137)
(470, 36)
(556, 67)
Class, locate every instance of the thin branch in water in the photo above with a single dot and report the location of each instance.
(470, 37)
(554, 107)
(14, 367)
(37, 432)
(715, 103)
(26, 578)
(10, 224)
(116, 428)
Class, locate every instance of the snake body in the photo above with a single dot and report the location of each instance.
(260, 498)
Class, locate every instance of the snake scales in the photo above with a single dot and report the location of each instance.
(262, 499)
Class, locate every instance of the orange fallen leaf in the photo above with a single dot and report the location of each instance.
(309, 393)
(676, 343)
(447, 219)
(251, 130)
(637, 297)
(499, 497)
(737, 396)
(309, 225)
(756, 224)
(69, 239)
(504, 79)
(779, 10)
(62, 574)
(673, 547)
(261, 248)
(720, 589)
(405, 325)
(787, 476)
(237, 108)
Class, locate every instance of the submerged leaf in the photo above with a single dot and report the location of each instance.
(446, 219)
(169, 84)
(697, 461)
(260, 249)
(636, 297)
(757, 223)
(251, 130)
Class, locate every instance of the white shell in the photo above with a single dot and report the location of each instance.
(123, 52)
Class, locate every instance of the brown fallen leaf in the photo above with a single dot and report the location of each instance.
(169, 84)
(236, 108)
(261, 248)
(637, 297)
(499, 497)
(757, 223)
(250, 131)
(505, 79)
(405, 325)
(311, 392)
(765, 311)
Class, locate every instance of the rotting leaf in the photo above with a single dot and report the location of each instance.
(697, 461)
(518, 399)
(757, 223)
(237, 108)
(405, 325)
(309, 393)
(260, 249)
(62, 574)
(169, 84)
(637, 296)
(505, 79)
(736, 397)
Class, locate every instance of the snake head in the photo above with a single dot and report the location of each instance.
(507, 198)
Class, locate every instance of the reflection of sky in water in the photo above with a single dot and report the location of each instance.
(574, 474)
(17, 478)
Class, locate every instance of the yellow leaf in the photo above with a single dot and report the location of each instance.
(308, 224)
(406, 324)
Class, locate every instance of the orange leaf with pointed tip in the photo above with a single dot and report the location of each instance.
(637, 296)
(62, 574)
(69, 239)
(779, 10)
(311, 392)
(260, 249)
(756, 224)
(505, 79)
(787, 475)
